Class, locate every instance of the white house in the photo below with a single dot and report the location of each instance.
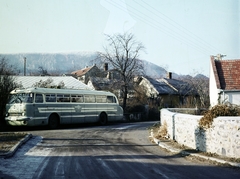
(224, 84)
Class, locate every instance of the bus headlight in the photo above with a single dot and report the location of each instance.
(23, 114)
(7, 114)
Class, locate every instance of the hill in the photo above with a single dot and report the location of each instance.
(62, 63)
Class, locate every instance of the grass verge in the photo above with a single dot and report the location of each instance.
(9, 139)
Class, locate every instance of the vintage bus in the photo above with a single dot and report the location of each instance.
(52, 107)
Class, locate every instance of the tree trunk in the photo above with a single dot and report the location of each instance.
(125, 97)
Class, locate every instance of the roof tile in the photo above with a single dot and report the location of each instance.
(228, 73)
(82, 71)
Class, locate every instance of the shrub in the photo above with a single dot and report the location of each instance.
(154, 113)
(218, 110)
(7, 84)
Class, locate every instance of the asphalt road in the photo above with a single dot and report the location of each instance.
(115, 151)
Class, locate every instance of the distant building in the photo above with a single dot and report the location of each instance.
(84, 74)
(68, 81)
(167, 91)
(224, 81)
(98, 83)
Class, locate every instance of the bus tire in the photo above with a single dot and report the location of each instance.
(103, 119)
(53, 121)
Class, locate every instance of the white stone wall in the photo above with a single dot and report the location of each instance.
(223, 138)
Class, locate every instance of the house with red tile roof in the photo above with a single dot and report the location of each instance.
(84, 74)
(224, 84)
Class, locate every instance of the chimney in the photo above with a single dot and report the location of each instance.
(105, 66)
(169, 75)
(109, 75)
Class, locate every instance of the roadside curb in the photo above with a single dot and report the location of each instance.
(174, 150)
(12, 151)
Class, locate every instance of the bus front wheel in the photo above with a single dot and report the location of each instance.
(53, 121)
(103, 119)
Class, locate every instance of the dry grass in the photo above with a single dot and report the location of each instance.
(162, 131)
(9, 139)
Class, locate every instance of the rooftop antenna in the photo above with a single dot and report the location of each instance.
(219, 56)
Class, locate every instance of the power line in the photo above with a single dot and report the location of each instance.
(142, 17)
(176, 24)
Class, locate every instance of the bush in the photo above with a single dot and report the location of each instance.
(154, 113)
(7, 84)
(135, 109)
(218, 110)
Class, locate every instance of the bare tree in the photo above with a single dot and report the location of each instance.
(200, 84)
(42, 71)
(7, 84)
(122, 54)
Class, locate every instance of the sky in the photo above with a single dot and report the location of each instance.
(178, 35)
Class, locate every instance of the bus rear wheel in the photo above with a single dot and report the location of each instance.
(103, 119)
(53, 121)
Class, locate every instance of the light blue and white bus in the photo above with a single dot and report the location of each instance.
(52, 107)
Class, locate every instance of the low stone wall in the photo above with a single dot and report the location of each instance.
(223, 138)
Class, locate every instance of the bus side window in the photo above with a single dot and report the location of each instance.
(59, 98)
(114, 100)
(101, 99)
(50, 98)
(38, 98)
(77, 98)
(89, 99)
(109, 99)
(66, 98)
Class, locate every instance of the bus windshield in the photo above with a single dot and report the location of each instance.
(21, 98)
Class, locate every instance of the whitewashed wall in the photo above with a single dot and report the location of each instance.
(213, 90)
(223, 138)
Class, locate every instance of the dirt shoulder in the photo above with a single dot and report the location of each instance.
(9, 139)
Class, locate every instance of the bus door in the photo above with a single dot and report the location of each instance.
(39, 110)
(90, 109)
(77, 106)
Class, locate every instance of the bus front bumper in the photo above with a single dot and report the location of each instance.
(18, 121)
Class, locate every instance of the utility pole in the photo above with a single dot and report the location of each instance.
(24, 65)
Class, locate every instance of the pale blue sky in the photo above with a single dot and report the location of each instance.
(179, 35)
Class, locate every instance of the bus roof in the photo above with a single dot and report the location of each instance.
(60, 91)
